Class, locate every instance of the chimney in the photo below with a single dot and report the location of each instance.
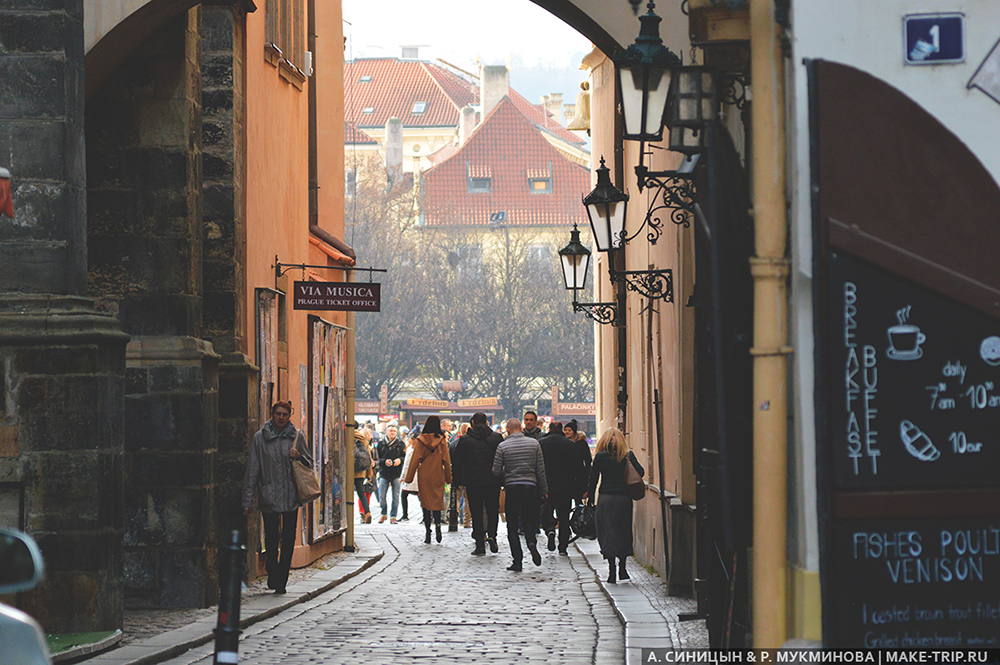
(466, 123)
(393, 148)
(553, 104)
(494, 85)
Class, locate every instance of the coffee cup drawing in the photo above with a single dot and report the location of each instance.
(905, 339)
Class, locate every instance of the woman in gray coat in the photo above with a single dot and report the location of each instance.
(269, 474)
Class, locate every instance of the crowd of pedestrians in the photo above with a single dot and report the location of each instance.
(530, 477)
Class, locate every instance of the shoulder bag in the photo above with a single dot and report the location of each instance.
(306, 482)
(634, 486)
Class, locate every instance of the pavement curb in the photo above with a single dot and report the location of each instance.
(86, 649)
(645, 626)
(175, 642)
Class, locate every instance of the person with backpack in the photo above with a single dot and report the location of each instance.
(364, 471)
(473, 469)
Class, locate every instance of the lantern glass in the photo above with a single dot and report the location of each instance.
(575, 259)
(607, 221)
(694, 101)
(644, 100)
(688, 140)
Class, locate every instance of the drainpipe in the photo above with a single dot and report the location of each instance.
(769, 268)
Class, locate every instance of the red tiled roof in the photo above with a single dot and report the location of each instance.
(354, 135)
(396, 85)
(543, 119)
(508, 148)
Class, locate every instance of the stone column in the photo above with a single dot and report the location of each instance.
(61, 361)
(146, 250)
(223, 45)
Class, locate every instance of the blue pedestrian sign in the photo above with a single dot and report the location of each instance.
(933, 39)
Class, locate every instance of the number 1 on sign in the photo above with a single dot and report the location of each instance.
(935, 33)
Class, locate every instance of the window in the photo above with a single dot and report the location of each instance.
(480, 185)
(365, 79)
(368, 109)
(540, 185)
(285, 36)
(419, 107)
(539, 253)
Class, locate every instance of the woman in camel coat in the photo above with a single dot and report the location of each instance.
(433, 460)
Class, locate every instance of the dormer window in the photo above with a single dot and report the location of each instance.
(540, 185)
(480, 185)
(368, 109)
(365, 79)
(419, 107)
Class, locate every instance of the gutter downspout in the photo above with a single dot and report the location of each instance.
(769, 268)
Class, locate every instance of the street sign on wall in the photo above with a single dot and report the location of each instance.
(337, 296)
(933, 39)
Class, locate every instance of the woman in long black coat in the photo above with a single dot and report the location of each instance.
(613, 516)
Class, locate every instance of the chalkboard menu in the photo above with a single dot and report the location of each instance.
(914, 385)
(907, 583)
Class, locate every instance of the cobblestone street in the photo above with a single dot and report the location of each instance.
(437, 604)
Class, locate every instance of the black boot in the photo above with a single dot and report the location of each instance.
(552, 541)
(611, 571)
(437, 531)
(493, 544)
(622, 573)
(480, 549)
(427, 534)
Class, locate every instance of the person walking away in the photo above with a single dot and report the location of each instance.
(531, 427)
(613, 516)
(408, 489)
(432, 460)
(519, 466)
(463, 494)
(564, 471)
(391, 453)
(473, 469)
(579, 439)
(364, 465)
(274, 449)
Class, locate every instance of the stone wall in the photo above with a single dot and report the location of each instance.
(61, 361)
(145, 196)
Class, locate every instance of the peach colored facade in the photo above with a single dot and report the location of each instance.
(278, 210)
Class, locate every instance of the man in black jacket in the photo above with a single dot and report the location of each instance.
(391, 453)
(565, 472)
(472, 465)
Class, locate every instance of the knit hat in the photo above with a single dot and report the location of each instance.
(572, 425)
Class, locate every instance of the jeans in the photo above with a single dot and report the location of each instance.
(279, 527)
(383, 485)
(484, 502)
(522, 513)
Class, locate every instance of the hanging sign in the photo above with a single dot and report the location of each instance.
(933, 39)
(475, 402)
(338, 296)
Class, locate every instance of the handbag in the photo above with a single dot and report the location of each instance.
(634, 487)
(306, 482)
(368, 487)
(582, 522)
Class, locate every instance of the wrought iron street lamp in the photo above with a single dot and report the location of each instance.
(575, 259)
(644, 74)
(606, 206)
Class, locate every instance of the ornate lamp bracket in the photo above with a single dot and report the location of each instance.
(675, 197)
(652, 284)
(601, 312)
(734, 90)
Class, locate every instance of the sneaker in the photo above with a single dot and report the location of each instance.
(536, 557)
(392, 520)
(479, 551)
(562, 550)
(381, 519)
(404, 518)
(493, 545)
(516, 567)
(552, 541)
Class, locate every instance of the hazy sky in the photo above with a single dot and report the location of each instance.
(542, 52)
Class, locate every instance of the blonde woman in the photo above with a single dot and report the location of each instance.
(613, 515)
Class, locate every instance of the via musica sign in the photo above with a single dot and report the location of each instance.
(338, 296)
